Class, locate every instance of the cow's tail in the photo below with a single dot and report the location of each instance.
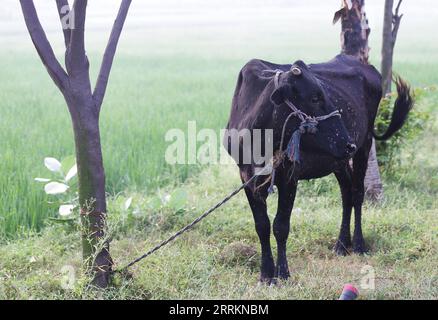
(403, 104)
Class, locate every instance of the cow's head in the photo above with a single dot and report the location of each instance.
(305, 91)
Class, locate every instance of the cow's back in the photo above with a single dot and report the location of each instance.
(354, 88)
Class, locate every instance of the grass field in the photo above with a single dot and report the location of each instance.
(182, 65)
(220, 258)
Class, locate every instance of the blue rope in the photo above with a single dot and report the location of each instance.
(293, 147)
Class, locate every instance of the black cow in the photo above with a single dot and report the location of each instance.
(346, 90)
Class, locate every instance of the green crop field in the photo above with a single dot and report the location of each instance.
(181, 65)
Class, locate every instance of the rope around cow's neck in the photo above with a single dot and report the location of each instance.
(309, 124)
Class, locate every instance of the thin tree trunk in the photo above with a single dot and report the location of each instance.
(92, 200)
(373, 181)
(91, 175)
(387, 48)
(391, 24)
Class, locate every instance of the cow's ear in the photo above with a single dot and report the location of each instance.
(277, 96)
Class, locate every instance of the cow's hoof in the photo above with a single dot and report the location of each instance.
(341, 249)
(283, 274)
(359, 247)
(267, 271)
(282, 270)
(267, 281)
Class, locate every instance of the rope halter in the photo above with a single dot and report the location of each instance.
(309, 124)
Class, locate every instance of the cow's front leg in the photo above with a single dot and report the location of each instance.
(344, 176)
(286, 197)
(360, 163)
(263, 228)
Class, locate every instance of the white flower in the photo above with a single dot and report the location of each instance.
(66, 210)
(71, 173)
(55, 188)
(52, 164)
(42, 179)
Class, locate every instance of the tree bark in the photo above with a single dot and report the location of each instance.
(355, 30)
(91, 178)
(373, 181)
(391, 24)
(387, 48)
(92, 201)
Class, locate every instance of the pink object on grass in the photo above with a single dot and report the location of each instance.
(349, 292)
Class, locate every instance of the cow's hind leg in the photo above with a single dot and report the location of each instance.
(360, 163)
(286, 198)
(257, 202)
(344, 177)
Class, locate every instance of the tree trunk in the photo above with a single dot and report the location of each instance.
(355, 30)
(92, 200)
(387, 48)
(391, 24)
(91, 177)
(373, 182)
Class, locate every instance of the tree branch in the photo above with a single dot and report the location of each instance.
(105, 69)
(398, 7)
(42, 45)
(63, 10)
(396, 19)
(76, 58)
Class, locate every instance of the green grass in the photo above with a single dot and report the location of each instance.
(220, 258)
(163, 77)
(139, 109)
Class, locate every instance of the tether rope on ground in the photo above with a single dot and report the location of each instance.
(189, 226)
